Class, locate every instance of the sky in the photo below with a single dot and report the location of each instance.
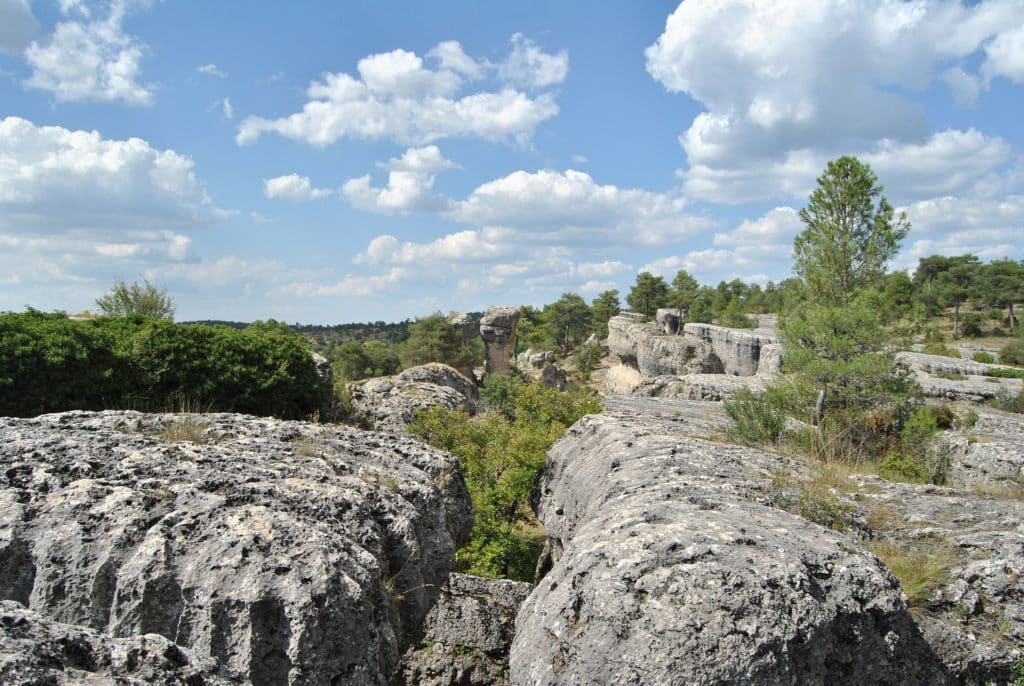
(331, 162)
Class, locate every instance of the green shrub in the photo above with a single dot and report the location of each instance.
(757, 420)
(1004, 373)
(502, 458)
(1013, 353)
(1010, 402)
(983, 357)
(733, 317)
(897, 467)
(49, 363)
(941, 349)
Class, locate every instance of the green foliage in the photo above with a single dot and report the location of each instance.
(1010, 402)
(604, 307)
(941, 349)
(532, 330)
(568, 320)
(145, 300)
(354, 360)
(700, 311)
(648, 294)
(734, 317)
(499, 393)
(1013, 353)
(1001, 283)
(49, 363)
(434, 339)
(1004, 373)
(757, 420)
(502, 455)
(851, 233)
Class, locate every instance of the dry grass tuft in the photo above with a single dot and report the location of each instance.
(921, 566)
(186, 428)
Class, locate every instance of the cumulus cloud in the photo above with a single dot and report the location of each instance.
(552, 206)
(531, 67)
(53, 179)
(782, 82)
(224, 271)
(953, 225)
(16, 26)
(410, 179)
(293, 188)
(350, 286)
(87, 59)
(397, 96)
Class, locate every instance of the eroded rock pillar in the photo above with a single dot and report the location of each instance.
(498, 329)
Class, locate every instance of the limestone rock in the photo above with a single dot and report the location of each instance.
(37, 650)
(389, 403)
(464, 324)
(467, 634)
(738, 349)
(670, 319)
(990, 453)
(700, 386)
(288, 552)
(672, 566)
(498, 329)
(553, 377)
(941, 363)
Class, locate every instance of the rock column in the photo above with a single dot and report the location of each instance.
(498, 329)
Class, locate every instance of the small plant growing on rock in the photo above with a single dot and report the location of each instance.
(983, 357)
(921, 567)
(186, 428)
(941, 349)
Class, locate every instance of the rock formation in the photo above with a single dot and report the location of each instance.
(739, 350)
(467, 634)
(955, 379)
(389, 403)
(677, 559)
(498, 329)
(287, 552)
(37, 650)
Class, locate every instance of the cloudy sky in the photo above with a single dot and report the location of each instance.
(325, 162)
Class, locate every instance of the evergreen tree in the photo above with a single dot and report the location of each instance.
(604, 307)
(648, 294)
(145, 299)
(851, 233)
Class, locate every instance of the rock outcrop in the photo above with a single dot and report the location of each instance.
(739, 350)
(389, 403)
(676, 558)
(287, 552)
(498, 329)
(990, 453)
(37, 650)
(670, 565)
(951, 378)
(467, 634)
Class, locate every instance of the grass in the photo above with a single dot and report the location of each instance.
(1005, 372)
(921, 566)
(881, 517)
(306, 445)
(950, 376)
(1009, 490)
(186, 428)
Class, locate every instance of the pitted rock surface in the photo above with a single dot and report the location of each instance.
(738, 349)
(37, 650)
(929, 371)
(278, 549)
(990, 453)
(701, 386)
(467, 634)
(672, 566)
(389, 403)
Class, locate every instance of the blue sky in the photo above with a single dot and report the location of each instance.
(325, 162)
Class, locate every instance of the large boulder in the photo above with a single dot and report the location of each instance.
(672, 564)
(990, 453)
(467, 634)
(498, 329)
(288, 552)
(389, 403)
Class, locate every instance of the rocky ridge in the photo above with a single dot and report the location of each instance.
(389, 403)
(286, 552)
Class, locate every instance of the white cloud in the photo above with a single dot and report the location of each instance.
(587, 270)
(221, 272)
(410, 179)
(397, 97)
(53, 179)
(16, 26)
(90, 60)
(460, 247)
(580, 159)
(569, 206)
(293, 188)
(212, 70)
(351, 285)
(531, 67)
(229, 111)
(817, 78)
(595, 287)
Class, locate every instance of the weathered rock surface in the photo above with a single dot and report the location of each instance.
(670, 319)
(467, 634)
(553, 376)
(498, 329)
(288, 552)
(389, 403)
(990, 453)
(701, 349)
(672, 566)
(929, 370)
(701, 386)
(37, 650)
(738, 349)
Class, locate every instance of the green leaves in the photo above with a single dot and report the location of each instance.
(146, 300)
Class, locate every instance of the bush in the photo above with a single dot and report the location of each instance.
(983, 357)
(757, 420)
(1013, 353)
(733, 317)
(1004, 373)
(502, 459)
(1010, 402)
(941, 349)
(49, 363)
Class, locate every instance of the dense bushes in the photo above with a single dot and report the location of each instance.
(49, 363)
(501, 454)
